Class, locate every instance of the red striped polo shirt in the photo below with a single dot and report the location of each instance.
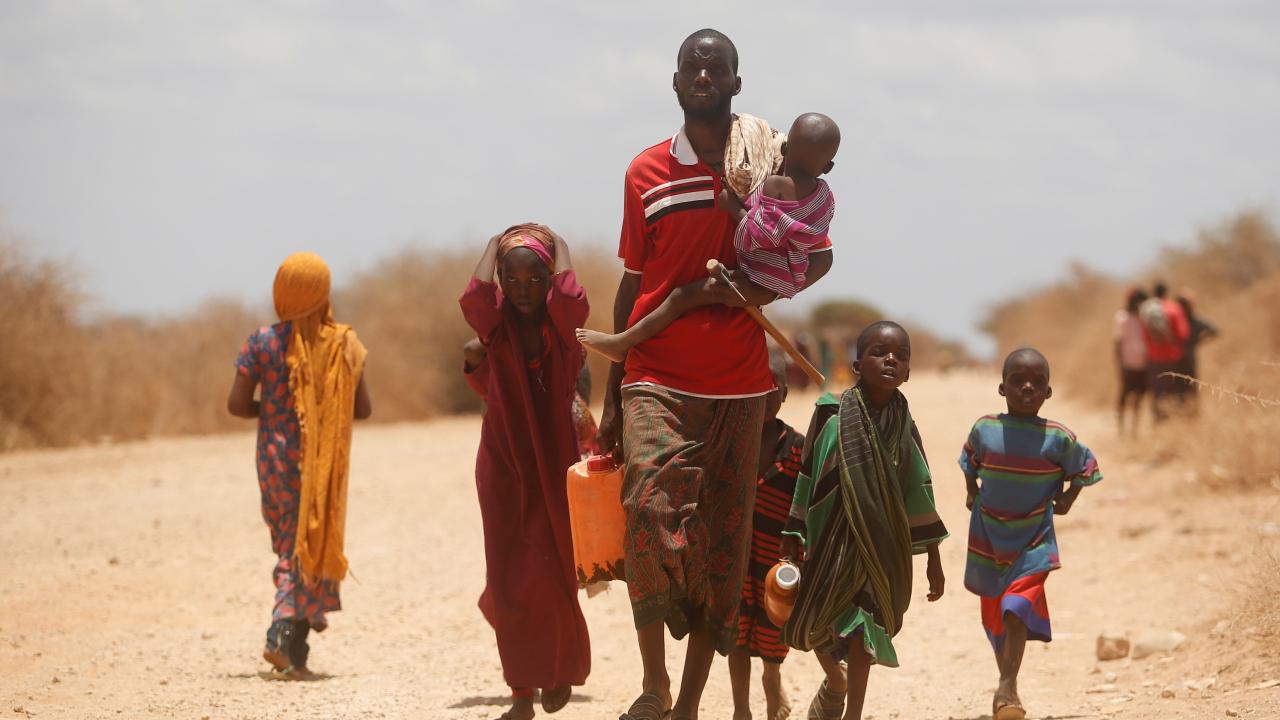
(670, 229)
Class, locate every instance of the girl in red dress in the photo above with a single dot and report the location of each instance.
(527, 441)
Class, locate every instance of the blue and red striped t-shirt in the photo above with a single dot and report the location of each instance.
(1021, 463)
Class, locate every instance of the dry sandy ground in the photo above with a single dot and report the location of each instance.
(137, 584)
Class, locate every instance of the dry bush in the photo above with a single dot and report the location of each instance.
(1233, 271)
(1226, 258)
(1246, 650)
(64, 381)
(934, 352)
(405, 310)
(1070, 322)
(41, 352)
(1262, 601)
(165, 377)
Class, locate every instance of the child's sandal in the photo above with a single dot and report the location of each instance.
(278, 659)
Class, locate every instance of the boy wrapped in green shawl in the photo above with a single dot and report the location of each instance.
(863, 505)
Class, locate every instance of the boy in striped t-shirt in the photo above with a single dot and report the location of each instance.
(1020, 470)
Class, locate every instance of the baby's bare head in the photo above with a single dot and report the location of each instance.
(812, 144)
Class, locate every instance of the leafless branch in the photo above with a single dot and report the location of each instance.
(1255, 400)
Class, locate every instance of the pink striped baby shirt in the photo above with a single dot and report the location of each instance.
(776, 236)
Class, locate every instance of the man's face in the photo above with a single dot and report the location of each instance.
(705, 81)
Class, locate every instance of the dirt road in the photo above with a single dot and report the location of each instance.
(137, 585)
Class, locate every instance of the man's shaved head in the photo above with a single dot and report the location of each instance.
(1027, 356)
(709, 34)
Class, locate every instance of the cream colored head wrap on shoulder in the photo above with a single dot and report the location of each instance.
(753, 153)
(325, 361)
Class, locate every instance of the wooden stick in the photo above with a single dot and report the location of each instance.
(715, 268)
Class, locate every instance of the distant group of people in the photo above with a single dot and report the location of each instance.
(715, 489)
(1156, 339)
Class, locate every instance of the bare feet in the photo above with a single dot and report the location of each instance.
(777, 704)
(606, 344)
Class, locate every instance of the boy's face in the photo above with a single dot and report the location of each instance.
(1025, 386)
(886, 360)
(524, 279)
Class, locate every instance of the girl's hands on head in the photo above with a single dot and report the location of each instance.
(563, 262)
(488, 263)
(555, 237)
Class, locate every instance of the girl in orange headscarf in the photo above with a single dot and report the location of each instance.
(311, 372)
(525, 321)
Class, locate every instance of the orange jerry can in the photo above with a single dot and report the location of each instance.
(596, 520)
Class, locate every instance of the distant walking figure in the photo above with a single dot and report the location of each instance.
(1165, 327)
(1131, 357)
(1199, 331)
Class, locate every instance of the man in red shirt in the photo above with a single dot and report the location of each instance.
(1165, 348)
(690, 400)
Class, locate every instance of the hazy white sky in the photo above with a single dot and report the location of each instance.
(178, 151)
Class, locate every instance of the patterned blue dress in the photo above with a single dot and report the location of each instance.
(262, 360)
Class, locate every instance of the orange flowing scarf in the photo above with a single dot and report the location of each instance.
(325, 360)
